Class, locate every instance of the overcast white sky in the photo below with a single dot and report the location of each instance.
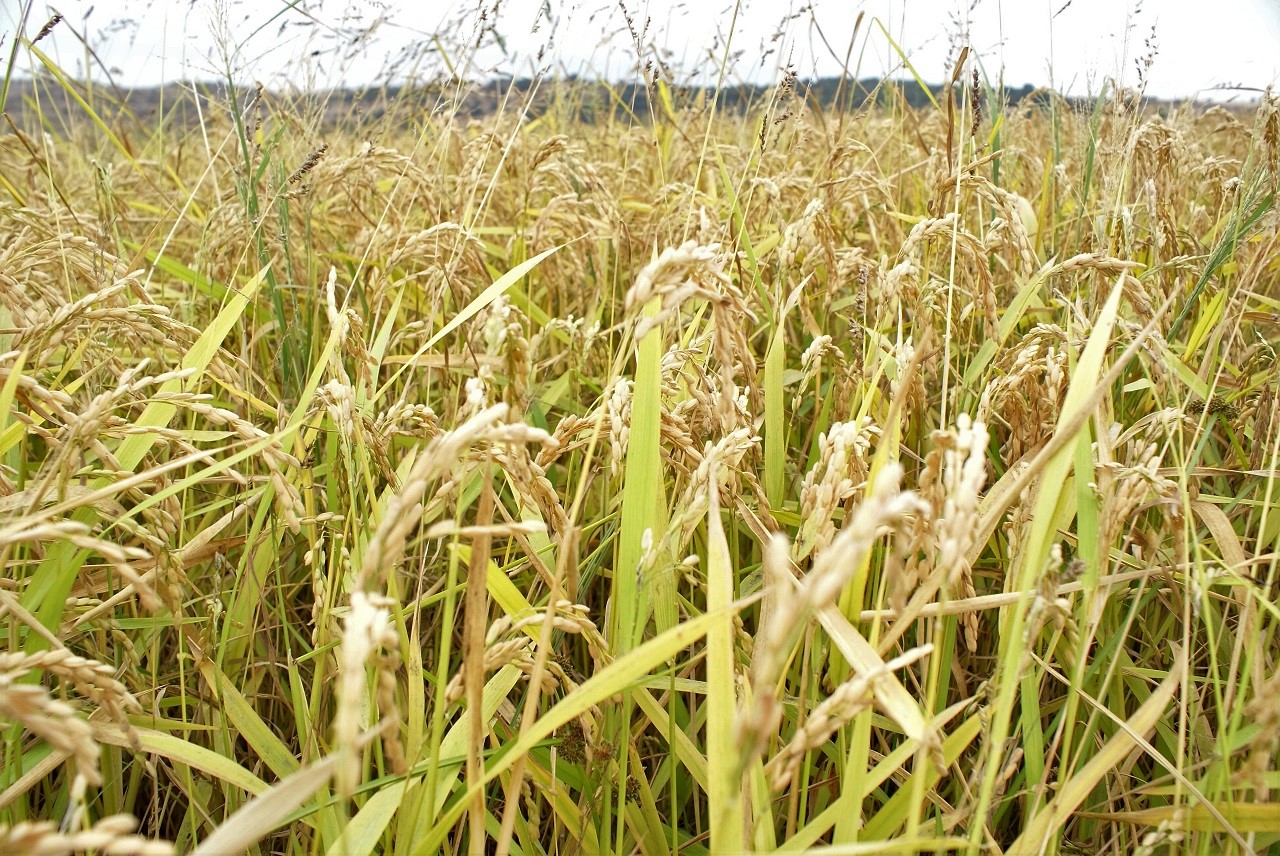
(1196, 46)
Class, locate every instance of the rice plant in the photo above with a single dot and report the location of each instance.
(572, 478)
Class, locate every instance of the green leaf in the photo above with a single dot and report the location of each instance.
(46, 593)
(725, 795)
(266, 812)
(619, 676)
(1038, 832)
(642, 488)
(490, 294)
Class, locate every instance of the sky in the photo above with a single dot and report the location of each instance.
(1175, 48)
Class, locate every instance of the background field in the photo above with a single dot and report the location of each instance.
(828, 472)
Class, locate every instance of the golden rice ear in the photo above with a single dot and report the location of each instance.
(111, 834)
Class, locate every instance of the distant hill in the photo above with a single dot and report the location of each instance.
(184, 105)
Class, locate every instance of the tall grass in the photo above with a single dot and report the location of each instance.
(683, 483)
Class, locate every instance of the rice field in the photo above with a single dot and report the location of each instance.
(842, 477)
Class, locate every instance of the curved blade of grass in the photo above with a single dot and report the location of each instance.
(898, 845)
(775, 428)
(1224, 536)
(891, 696)
(924, 87)
(893, 815)
(1241, 222)
(1243, 817)
(46, 594)
(53, 69)
(483, 299)
(183, 752)
(642, 493)
(266, 812)
(725, 796)
(490, 294)
(1075, 790)
(7, 393)
(1084, 382)
(1009, 319)
(246, 722)
(364, 832)
(1035, 552)
(612, 680)
(686, 751)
